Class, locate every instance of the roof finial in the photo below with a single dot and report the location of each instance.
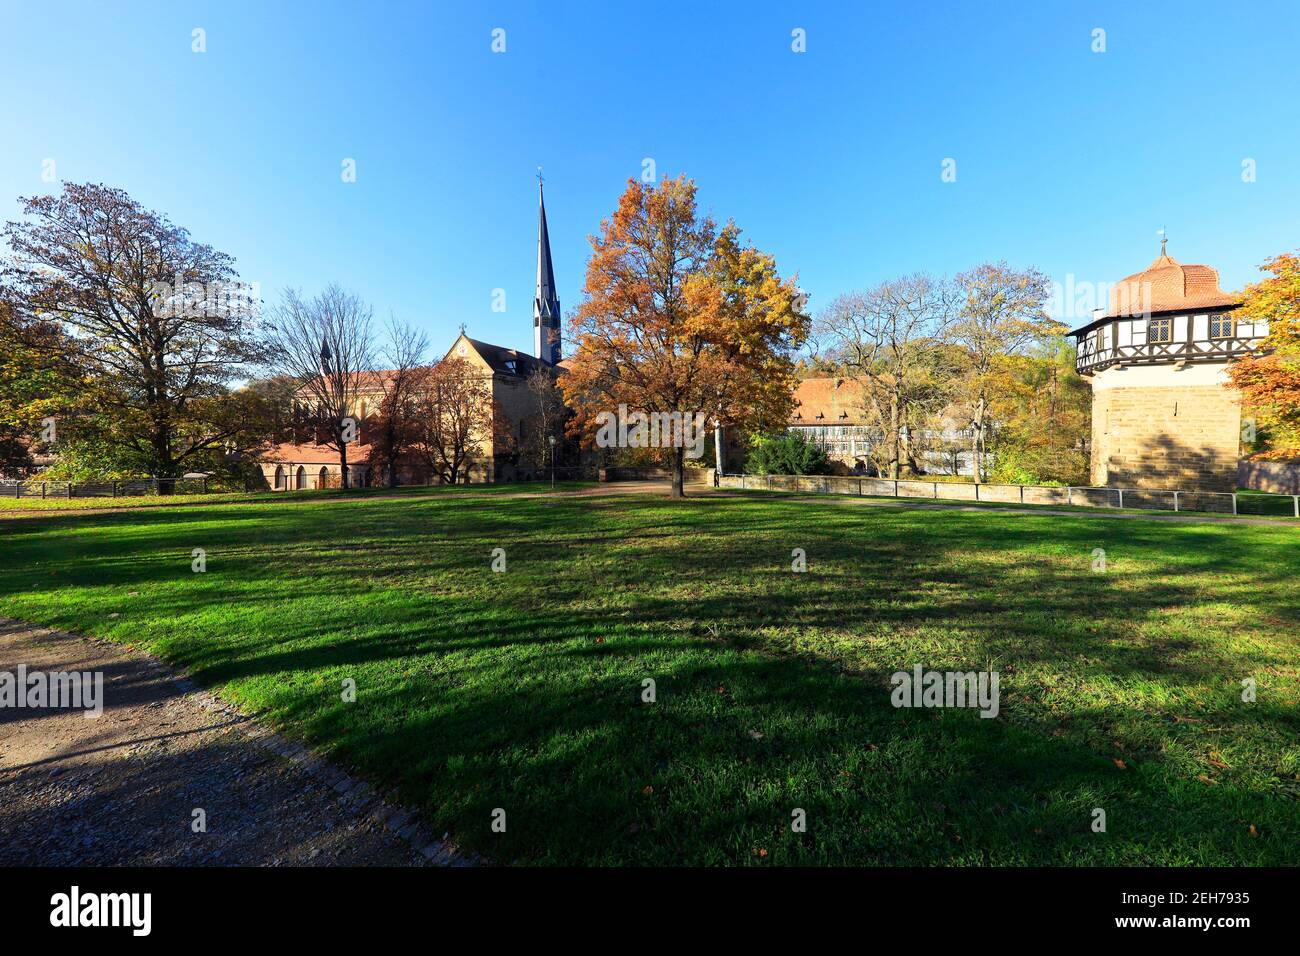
(539, 178)
(1163, 239)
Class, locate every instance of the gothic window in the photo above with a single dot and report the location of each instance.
(1222, 326)
(1160, 330)
(279, 477)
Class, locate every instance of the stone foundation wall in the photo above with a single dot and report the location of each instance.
(1166, 436)
(1278, 477)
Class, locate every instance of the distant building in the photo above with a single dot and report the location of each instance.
(307, 463)
(1163, 415)
(836, 414)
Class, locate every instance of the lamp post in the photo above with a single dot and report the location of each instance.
(551, 440)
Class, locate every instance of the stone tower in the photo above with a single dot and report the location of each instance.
(1163, 415)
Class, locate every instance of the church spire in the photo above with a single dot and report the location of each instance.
(546, 305)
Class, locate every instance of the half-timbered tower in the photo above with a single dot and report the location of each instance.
(1163, 415)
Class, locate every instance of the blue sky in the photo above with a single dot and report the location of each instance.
(1066, 159)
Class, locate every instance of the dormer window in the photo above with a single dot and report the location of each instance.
(1160, 330)
(512, 367)
(1222, 327)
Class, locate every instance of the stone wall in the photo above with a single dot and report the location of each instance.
(1154, 433)
(1277, 477)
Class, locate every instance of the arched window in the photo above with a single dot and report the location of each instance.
(302, 477)
(323, 480)
(279, 477)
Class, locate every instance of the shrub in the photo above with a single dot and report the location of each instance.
(786, 454)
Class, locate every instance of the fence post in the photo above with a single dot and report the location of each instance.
(1234, 502)
(1069, 496)
(977, 491)
(1022, 494)
(155, 486)
(936, 489)
(1175, 501)
(43, 491)
(114, 489)
(1296, 501)
(895, 487)
(205, 484)
(1121, 498)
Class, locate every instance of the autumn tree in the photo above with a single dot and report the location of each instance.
(457, 423)
(159, 323)
(1269, 378)
(395, 429)
(678, 318)
(1002, 313)
(1043, 411)
(40, 387)
(891, 339)
(324, 343)
(545, 427)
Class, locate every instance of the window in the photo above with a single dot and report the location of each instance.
(1222, 326)
(1160, 330)
(279, 477)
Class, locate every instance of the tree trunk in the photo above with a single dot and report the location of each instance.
(343, 464)
(717, 454)
(977, 445)
(893, 440)
(679, 469)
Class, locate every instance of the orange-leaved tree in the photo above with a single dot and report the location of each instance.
(1269, 379)
(679, 319)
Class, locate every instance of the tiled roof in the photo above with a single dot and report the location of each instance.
(1169, 286)
(507, 361)
(315, 454)
(830, 401)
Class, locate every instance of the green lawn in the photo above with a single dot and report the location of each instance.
(522, 690)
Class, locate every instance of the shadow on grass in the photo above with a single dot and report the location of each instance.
(522, 690)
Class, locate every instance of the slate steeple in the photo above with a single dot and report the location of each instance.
(546, 305)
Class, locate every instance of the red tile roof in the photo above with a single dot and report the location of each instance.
(830, 401)
(315, 454)
(1169, 286)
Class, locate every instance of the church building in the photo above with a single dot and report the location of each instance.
(504, 372)
(1163, 413)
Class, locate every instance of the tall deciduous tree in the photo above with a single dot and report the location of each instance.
(325, 344)
(40, 387)
(1269, 379)
(891, 338)
(545, 427)
(457, 423)
(159, 321)
(680, 319)
(1002, 314)
(395, 428)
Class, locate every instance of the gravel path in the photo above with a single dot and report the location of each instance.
(121, 789)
